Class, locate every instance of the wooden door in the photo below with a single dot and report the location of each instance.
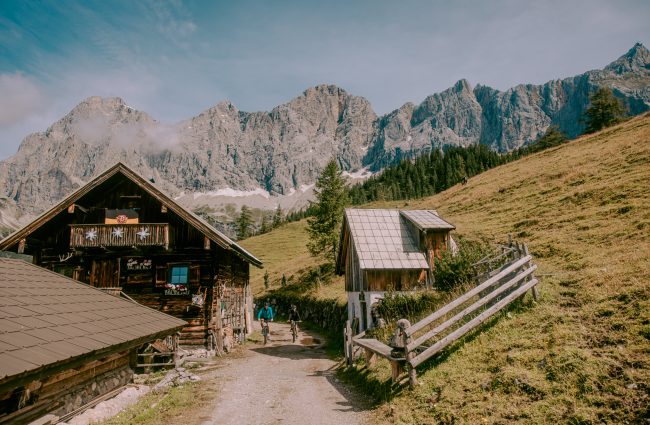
(105, 273)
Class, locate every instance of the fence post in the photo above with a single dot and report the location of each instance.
(534, 290)
(348, 342)
(406, 340)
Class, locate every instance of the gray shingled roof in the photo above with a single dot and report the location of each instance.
(383, 241)
(47, 318)
(427, 219)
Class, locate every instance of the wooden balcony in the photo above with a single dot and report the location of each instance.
(100, 235)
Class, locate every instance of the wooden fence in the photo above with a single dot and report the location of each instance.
(508, 277)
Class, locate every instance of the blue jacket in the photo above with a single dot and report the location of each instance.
(265, 313)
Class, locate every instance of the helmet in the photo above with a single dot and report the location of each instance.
(266, 303)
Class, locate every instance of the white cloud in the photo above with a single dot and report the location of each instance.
(20, 98)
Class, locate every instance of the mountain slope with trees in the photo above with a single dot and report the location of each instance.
(580, 354)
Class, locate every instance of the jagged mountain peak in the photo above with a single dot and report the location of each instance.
(636, 59)
(282, 150)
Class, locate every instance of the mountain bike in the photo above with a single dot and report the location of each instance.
(294, 330)
(265, 330)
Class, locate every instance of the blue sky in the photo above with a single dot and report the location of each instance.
(174, 59)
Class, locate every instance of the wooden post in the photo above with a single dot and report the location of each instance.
(348, 342)
(176, 356)
(534, 290)
(371, 358)
(219, 326)
(206, 243)
(413, 379)
(21, 246)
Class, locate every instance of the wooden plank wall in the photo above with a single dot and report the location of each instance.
(46, 394)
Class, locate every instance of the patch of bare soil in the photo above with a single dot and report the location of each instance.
(280, 383)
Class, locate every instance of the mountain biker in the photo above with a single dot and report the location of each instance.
(266, 314)
(293, 314)
(294, 318)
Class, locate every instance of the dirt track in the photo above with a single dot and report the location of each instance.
(283, 383)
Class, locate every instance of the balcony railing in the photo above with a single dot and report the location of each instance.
(98, 235)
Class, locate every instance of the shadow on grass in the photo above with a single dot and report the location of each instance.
(516, 307)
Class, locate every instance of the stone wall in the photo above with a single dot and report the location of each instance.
(90, 390)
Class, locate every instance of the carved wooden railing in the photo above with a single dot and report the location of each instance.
(99, 235)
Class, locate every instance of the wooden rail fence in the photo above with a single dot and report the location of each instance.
(508, 277)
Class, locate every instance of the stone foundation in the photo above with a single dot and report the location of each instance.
(97, 386)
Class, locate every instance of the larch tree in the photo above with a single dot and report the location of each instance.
(323, 226)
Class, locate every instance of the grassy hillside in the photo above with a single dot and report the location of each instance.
(582, 354)
(284, 251)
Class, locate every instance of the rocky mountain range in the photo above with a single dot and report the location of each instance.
(225, 154)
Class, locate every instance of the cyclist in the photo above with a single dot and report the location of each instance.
(265, 315)
(294, 318)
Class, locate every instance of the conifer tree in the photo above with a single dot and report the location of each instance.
(244, 223)
(265, 227)
(323, 226)
(266, 279)
(277, 217)
(604, 110)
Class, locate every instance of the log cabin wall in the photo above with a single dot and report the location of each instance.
(140, 260)
(63, 392)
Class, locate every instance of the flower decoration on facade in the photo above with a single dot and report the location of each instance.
(91, 235)
(122, 218)
(118, 232)
(143, 233)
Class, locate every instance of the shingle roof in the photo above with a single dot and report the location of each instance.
(427, 219)
(47, 318)
(383, 241)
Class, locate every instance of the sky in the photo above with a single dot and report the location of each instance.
(174, 59)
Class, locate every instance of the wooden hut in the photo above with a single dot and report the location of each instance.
(63, 344)
(387, 249)
(122, 234)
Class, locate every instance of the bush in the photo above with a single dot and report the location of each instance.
(452, 271)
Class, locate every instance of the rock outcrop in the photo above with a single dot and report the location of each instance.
(282, 151)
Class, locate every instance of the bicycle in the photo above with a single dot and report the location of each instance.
(265, 330)
(294, 329)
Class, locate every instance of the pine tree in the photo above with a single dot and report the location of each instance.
(266, 279)
(277, 217)
(265, 227)
(244, 223)
(283, 282)
(323, 227)
(604, 110)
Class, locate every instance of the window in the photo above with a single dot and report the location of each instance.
(178, 274)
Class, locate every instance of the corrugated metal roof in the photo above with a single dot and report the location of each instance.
(383, 241)
(427, 219)
(47, 318)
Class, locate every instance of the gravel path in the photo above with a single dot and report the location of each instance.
(284, 383)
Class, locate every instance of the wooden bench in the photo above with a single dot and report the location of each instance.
(373, 347)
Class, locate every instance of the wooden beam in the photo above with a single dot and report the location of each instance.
(458, 301)
(444, 342)
(21, 246)
(71, 209)
(163, 209)
(478, 304)
(206, 243)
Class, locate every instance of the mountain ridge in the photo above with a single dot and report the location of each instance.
(282, 150)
